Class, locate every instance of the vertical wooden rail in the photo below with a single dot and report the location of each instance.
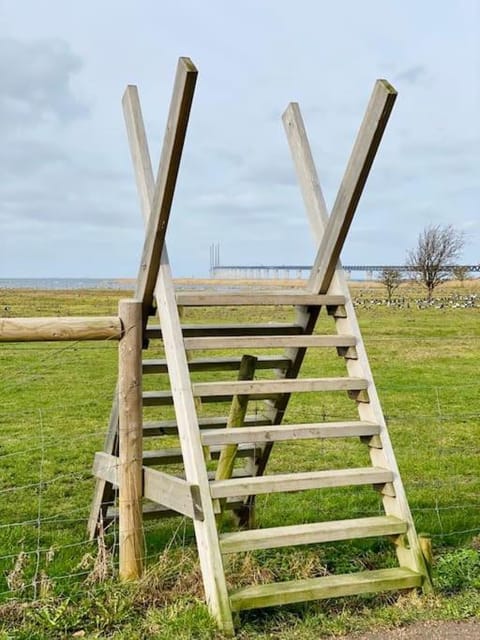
(130, 440)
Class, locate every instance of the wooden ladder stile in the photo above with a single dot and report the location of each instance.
(201, 491)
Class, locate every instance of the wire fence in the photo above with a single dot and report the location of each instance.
(53, 416)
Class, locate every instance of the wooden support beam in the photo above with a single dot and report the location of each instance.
(218, 330)
(130, 441)
(361, 160)
(172, 493)
(169, 165)
(210, 299)
(268, 342)
(236, 417)
(58, 329)
(221, 363)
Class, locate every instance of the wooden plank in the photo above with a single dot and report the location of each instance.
(236, 417)
(278, 593)
(396, 505)
(169, 165)
(260, 329)
(299, 481)
(351, 188)
(104, 492)
(167, 490)
(165, 398)
(153, 511)
(214, 299)
(289, 432)
(131, 547)
(173, 455)
(268, 342)
(259, 387)
(170, 427)
(172, 492)
(217, 364)
(106, 467)
(317, 532)
(56, 329)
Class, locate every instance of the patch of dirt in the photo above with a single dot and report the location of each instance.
(464, 630)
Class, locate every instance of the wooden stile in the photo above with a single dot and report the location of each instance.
(201, 493)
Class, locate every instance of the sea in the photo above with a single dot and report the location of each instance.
(67, 283)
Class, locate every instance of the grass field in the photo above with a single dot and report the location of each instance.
(55, 404)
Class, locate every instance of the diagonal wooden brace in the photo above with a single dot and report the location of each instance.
(156, 198)
(352, 185)
(176, 130)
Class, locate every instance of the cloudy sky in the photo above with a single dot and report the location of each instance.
(68, 205)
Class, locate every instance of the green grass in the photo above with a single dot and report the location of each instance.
(55, 405)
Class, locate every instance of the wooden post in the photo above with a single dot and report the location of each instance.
(130, 440)
(236, 417)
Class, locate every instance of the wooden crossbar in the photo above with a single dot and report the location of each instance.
(169, 165)
(59, 329)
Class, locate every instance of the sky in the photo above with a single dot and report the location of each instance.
(68, 203)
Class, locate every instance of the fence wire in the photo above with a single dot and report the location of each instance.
(47, 450)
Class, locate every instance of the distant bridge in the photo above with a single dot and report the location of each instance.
(259, 271)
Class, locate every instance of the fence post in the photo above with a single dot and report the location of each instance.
(130, 440)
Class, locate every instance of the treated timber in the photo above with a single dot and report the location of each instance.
(269, 342)
(173, 455)
(153, 511)
(260, 387)
(58, 329)
(299, 481)
(170, 427)
(164, 189)
(395, 504)
(215, 330)
(335, 530)
(256, 299)
(361, 159)
(278, 593)
(346, 202)
(236, 417)
(205, 530)
(165, 398)
(278, 433)
(131, 546)
(170, 491)
(217, 364)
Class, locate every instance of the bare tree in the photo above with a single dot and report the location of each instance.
(391, 279)
(437, 247)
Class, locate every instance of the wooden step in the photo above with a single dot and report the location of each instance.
(257, 298)
(259, 389)
(300, 481)
(270, 538)
(152, 511)
(165, 398)
(219, 364)
(284, 385)
(173, 455)
(169, 427)
(276, 433)
(261, 329)
(267, 595)
(269, 342)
